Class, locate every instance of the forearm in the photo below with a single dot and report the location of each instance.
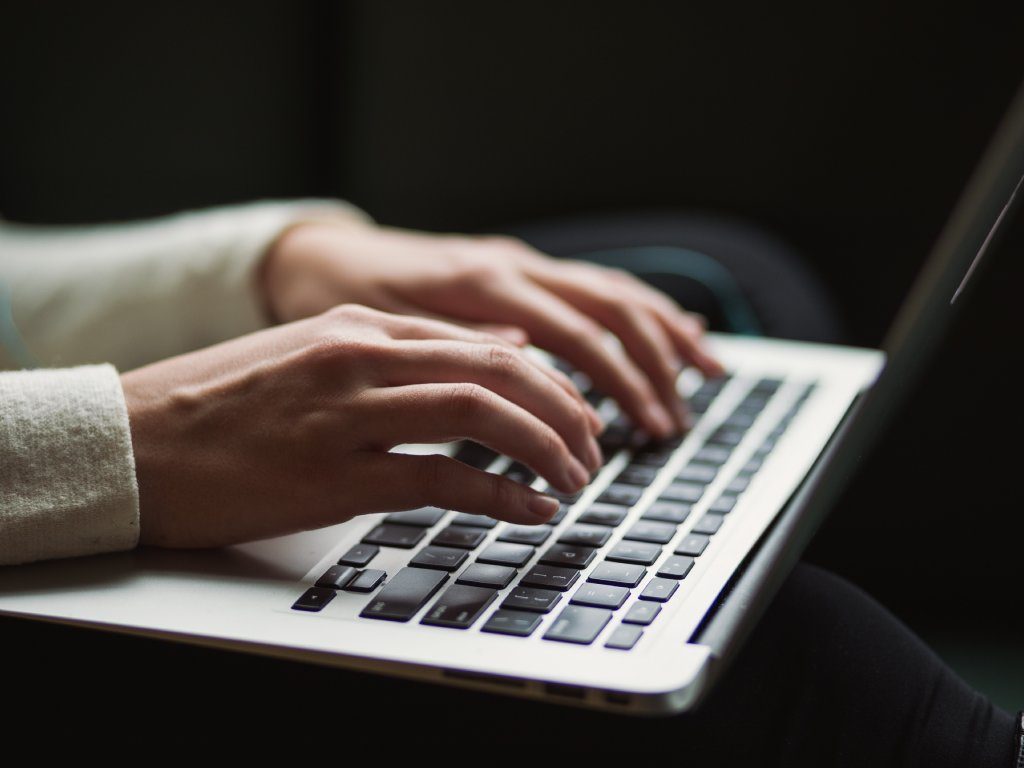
(133, 293)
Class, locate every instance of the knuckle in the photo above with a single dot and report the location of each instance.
(431, 471)
(502, 360)
(467, 400)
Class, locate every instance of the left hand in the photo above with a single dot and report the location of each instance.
(506, 287)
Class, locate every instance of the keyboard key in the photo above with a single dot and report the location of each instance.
(685, 492)
(637, 474)
(481, 575)
(624, 637)
(655, 457)
(623, 495)
(424, 517)
(568, 556)
(520, 473)
(403, 596)
(675, 567)
(559, 516)
(459, 606)
(741, 419)
(727, 436)
(439, 558)
(634, 552)
(516, 623)
(668, 512)
(659, 590)
(336, 577)
(603, 514)
(713, 454)
(460, 536)
(652, 531)
(709, 524)
(474, 521)
(475, 455)
(641, 612)
(360, 555)
(313, 599)
(585, 535)
(366, 581)
(693, 545)
(578, 624)
(700, 474)
(550, 577)
(535, 535)
(619, 574)
(737, 485)
(600, 595)
(531, 599)
(723, 504)
(752, 466)
(503, 553)
(401, 536)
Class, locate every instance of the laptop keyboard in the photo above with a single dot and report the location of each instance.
(464, 564)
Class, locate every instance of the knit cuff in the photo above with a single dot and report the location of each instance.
(67, 472)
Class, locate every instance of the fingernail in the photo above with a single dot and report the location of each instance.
(663, 426)
(542, 506)
(577, 474)
(595, 460)
(682, 415)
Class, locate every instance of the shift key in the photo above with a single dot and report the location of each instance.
(403, 596)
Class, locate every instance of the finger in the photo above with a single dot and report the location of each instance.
(559, 327)
(508, 373)
(441, 413)
(402, 481)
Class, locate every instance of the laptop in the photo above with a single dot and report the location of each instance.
(639, 592)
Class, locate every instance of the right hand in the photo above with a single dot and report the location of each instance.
(290, 428)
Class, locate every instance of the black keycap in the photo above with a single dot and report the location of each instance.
(634, 552)
(641, 612)
(405, 594)
(439, 558)
(424, 517)
(693, 545)
(313, 599)
(559, 516)
(685, 492)
(568, 498)
(503, 553)
(624, 637)
(699, 474)
(603, 514)
(534, 535)
(652, 531)
(474, 521)
(531, 599)
(585, 535)
(709, 524)
(619, 574)
(737, 484)
(475, 455)
(675, 567)
(401, 536)
(568, 556)
(460, 536)
(459, 606)
(713, 454)
(517, 623)
(481, 575)
(520, 473)
(727, 436)
(623, 495)
(723, 504)
(336, 577)
(366, 581)
(767, 386)
(359, 555)
(653, 457)
(668, 511)
(752, 466)
(659, 590)
(550, 577)
(578, 624)
(740, 419)
(600, 595)
(637, 474)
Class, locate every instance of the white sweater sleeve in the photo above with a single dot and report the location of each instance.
(125, 295)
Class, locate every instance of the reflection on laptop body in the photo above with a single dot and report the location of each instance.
(639, 590)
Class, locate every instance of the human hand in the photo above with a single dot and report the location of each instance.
(289, 429)
(566, 307)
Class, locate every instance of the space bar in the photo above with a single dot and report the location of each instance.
(405, 594)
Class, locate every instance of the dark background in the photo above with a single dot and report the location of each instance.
(846, 128)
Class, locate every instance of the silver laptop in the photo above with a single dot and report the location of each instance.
(638, 593)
